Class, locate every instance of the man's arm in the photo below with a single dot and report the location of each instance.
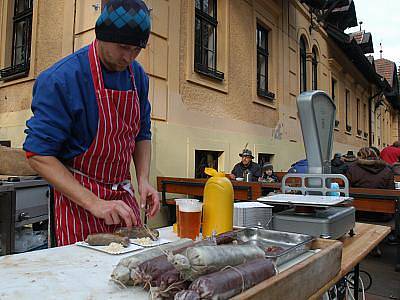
(113, 212)
(148, 195)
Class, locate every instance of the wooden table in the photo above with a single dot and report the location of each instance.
(355, 249)
(78, 273)
(376, 200)
(195, 187)
(244, 191)
(380, 201)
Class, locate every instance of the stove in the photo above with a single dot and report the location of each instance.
(23, 201)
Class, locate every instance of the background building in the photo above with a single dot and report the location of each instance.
(223, 73)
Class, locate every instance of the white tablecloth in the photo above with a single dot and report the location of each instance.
(69, 272)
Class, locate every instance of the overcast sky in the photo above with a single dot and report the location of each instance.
(382, 19)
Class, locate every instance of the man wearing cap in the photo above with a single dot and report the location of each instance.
(91, 116)
(246, 165)
(349, 158)
(268, 174)
(337, 164)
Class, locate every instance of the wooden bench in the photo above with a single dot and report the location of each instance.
(373, 200)
(370, 200)
(294, 181)
(243, 191)
(381, 201)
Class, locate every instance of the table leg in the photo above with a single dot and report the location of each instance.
(163, 194)
(171, 214)
(356, 280)
(397, 233)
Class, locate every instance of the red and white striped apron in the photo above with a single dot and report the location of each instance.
(104, 167)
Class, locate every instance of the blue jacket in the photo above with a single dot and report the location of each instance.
(65, 112)
(300, 166)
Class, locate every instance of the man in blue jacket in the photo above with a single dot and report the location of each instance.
(91, 116)
(300, 166)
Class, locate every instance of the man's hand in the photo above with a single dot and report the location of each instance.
(149, 199)
(231, 176)
(113, 212)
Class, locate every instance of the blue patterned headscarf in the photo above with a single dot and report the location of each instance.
(124, 22)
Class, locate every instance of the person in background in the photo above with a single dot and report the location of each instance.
(378, 153)
(349, 158)
(246, 165)
(268, 173)
(205, 162)
(370, 172)
(337, 164)
(300, 166)
(391, 154)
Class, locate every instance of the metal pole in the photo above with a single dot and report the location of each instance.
(356, 280)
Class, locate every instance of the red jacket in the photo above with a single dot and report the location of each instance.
(391, 154)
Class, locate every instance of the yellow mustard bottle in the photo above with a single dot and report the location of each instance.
(217, 204)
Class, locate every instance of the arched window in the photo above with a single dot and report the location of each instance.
(303, 65)
(314, 69)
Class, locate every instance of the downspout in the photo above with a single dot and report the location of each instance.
(370, 99)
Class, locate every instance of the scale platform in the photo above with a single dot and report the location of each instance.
(316, 215)
(330, 223)
(305, 200)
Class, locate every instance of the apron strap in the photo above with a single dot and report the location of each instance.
(132, 75)
(95, 67)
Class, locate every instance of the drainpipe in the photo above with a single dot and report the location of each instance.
(370, 99)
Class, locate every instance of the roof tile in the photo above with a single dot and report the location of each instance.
(386, 69)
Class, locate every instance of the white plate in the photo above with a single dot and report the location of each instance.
(159, 242)
(128, 249)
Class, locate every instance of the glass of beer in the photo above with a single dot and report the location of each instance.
(177, 203)
(190, 219)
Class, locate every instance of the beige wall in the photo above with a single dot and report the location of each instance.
(190, 111)
(385, 124)
(15, 96)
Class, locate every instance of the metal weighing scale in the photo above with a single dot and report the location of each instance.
(315, 211)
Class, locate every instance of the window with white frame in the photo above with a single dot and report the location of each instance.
(334, 94)
(262, 38)
(303, 65)
(348, 111)
(365, 120)
(359, 130)
(205, 58)
(314, 62)
(21, 41)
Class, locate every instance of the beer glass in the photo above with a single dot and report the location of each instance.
(177, 203)
(190, 219)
